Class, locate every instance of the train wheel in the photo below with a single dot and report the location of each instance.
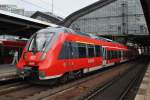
(71, 76)
(79, 74)
(64, 78)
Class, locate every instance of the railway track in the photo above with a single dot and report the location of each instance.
(67, 91)
(120, 89)
(12, 87)
(82, 90)
(78, 87)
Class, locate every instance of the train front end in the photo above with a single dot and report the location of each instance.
(36, 57)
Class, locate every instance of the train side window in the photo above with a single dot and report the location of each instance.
(119, 53)
(108, 55)
(98, 51)
(82, 50)
(91, 51)
(115, 54)
(111, 54)
(63, 54)
(123, 53)
(66, 51)
(75, 51)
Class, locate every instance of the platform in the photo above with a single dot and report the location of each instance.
(144, 89)
(7, 72)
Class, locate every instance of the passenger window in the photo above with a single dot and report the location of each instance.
(63, 54)
(82, 50)
(66, 51)
(111, 54)
(91, 51)
(108, 54)
(75, 51)
(98, 51)
(115, 54)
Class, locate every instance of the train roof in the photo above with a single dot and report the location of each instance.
(95, 37)
(59, 29)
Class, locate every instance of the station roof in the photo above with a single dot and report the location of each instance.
(50, 17)
(19, 25)
(74, 16)
(142, 40)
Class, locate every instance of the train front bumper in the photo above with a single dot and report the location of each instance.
(28, 72)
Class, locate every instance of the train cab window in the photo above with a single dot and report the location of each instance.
(98, 51)
(91, 51)
(82, 50)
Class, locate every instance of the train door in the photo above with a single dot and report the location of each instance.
(70, 56)
(66, 55)
(104, 55)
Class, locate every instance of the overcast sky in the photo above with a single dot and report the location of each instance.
(61, 7)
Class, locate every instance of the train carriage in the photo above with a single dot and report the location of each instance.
(59, 52)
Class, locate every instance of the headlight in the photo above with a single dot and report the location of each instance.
(42, 57)
(24, 56)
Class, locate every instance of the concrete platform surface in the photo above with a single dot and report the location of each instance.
(144, 90)
(7, 71)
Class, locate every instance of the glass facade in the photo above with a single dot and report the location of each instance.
(119, 17)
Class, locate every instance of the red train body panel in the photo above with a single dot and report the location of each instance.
(68, 52)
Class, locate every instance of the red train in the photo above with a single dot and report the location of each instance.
(60, 53)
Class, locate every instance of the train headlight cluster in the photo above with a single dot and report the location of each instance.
(42, 57)
(24, 56)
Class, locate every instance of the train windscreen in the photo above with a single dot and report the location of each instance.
(40, 41)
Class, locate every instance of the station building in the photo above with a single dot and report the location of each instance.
(119, 18)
